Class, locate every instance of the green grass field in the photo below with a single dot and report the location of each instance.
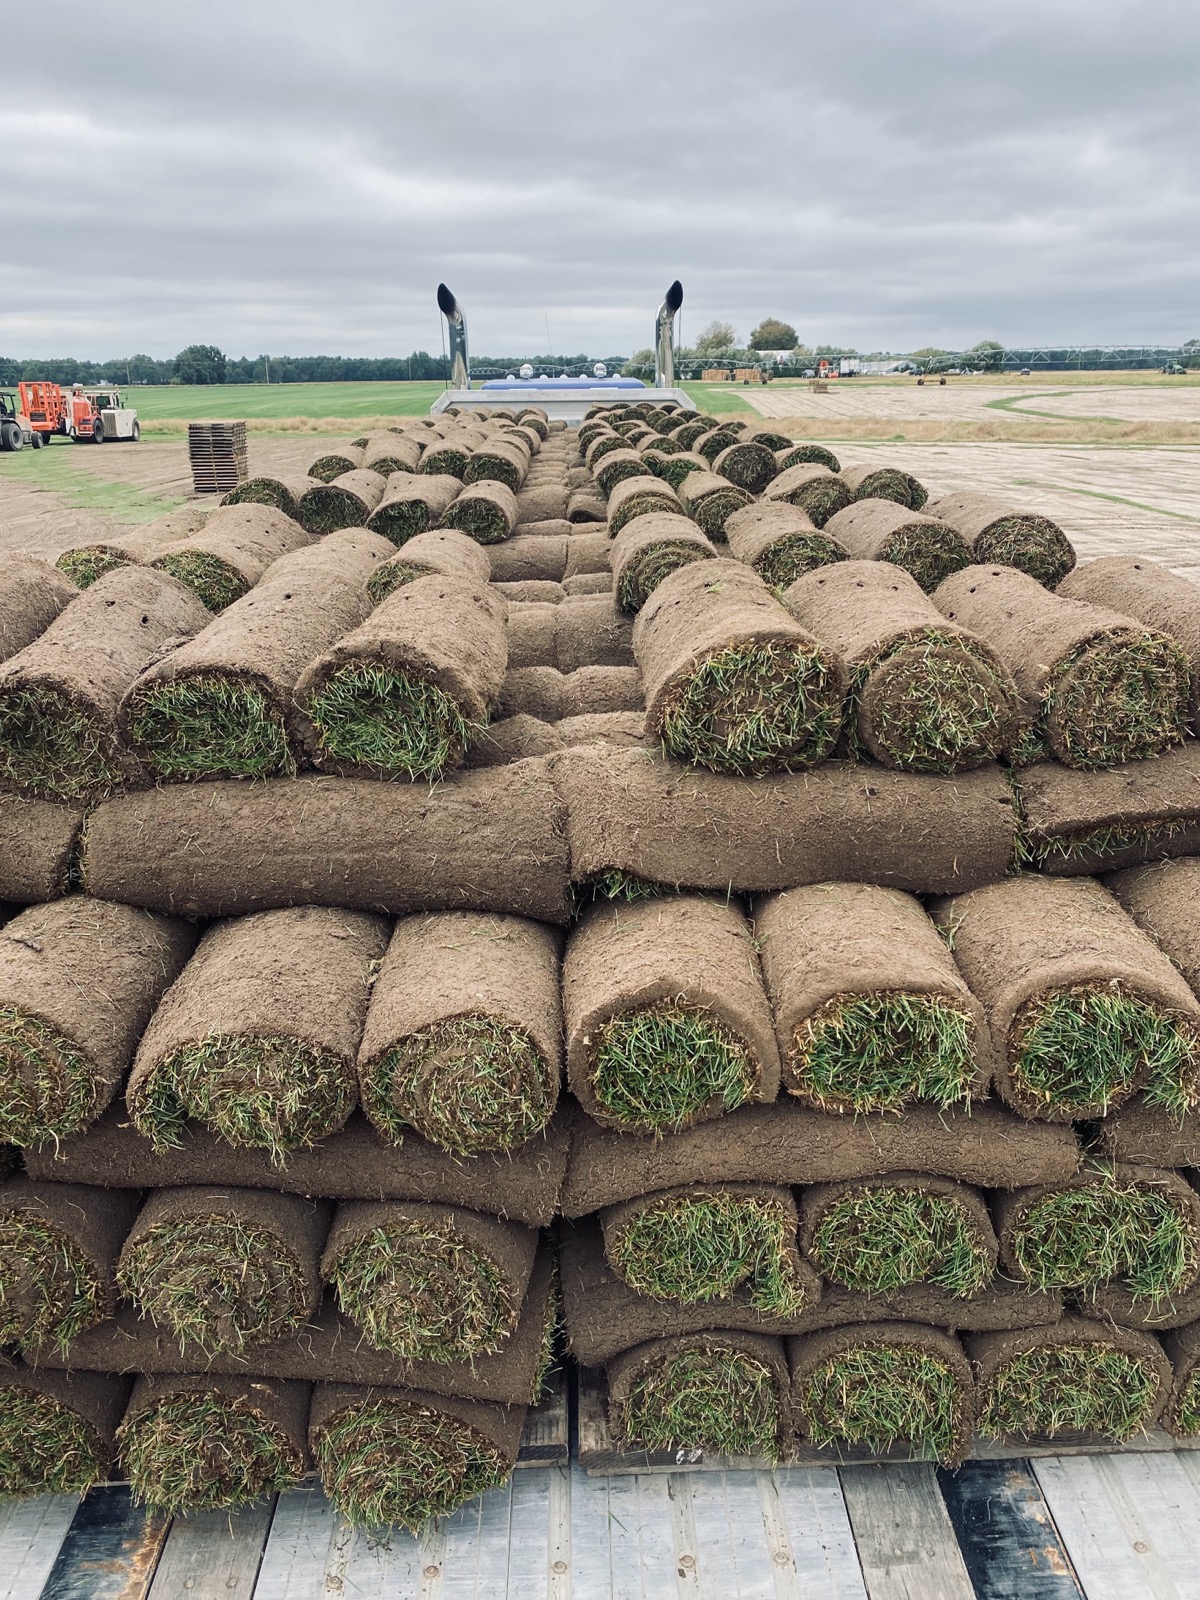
(185, 403)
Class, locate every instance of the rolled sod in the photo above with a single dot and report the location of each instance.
(600, 443)
(428, 1282)
(489, 841)
(780, 542)
(1002, 535)
(447, 458)
(1075, 1378)
(1162, 900)
(436, 553)
(1138, 1227)
(588, 583)
(221, 1269)
(503, 460)
(403, 1456)
(701, 1243)
(639, 497)
(1082, 1006)
(334, 463)
(800, 454)
(870, 1009)
(882, 1384)
(529, 557)
(1181, 1415)
(711, 501)
(880, 530)
(715, 443)
(391, 452)
(542, 502)
(401, 694)
(589, 691)
(634, 813)
(347, 501)
(32, 595)
(213, 1443)
(233, 552)
(720, 1392)
(282, 493)
(885, 483)
(674, 469)
(1100, 689)
(509, 739)
(748, 464)
(692, 431)
(39, 849)
(58, 1251)
(412, 504)
(733, 683)
(1153, 595)
(667, 1021)
(648, 549)
(57, 1429)
(59, 695)
(79, 979)
(875, 1235)
(486, 511)
(587, 506)
(130, 547)
(661, 448)
(462, 1040)
(219, 706)
(814, 488)
(613, 469)
(925, 695)
(589, 631)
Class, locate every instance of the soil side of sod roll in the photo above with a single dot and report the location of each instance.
(59, 696)
(283, 493)
(1117, 1303)
(1083, 1008)
(543, 502)
(1181, 1415)
(486, 512)
(32, 594)
(870, 482)
(636, 497)
(1099, 688)
(39, 849)
(634, 813)
(345, 502)
(529, 556)
(871, 1011)
(1163, 901)
(814, 488)
(648, 549)
(488, 841)
(780, 541)
(58, 1429)
(463, 1037)
(667, 1021)
(552, 695)
(236, 547)
(1150, 1135)
(589, 631)
(925, 695)
(510, 739)
(83, 564)
(880, 530)
(439, 552)
(1002, 535)
(412, 504)
(79, 979)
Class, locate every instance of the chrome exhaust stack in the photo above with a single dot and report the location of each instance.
(664, 337)
(460, 361)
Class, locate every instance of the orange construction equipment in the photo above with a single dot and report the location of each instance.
(77, 413)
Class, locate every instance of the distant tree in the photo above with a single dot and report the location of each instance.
(200, 363)
(716, 337)
(639, 365)
(988, 354)
(831, 352)
(929, 353)
(771, 334)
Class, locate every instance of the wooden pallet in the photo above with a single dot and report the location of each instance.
(546, 1441)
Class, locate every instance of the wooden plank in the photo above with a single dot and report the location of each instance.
(297, 1549)
(1006, 1533)
(527, 1570)
(817, 1535)
(558, 1535)
(683, 1532)
(546, 1437)
(476, 1551)
(906, 1546)
(731, 1544)
(31, 1538)
(213, 1555)
(362, 1567)
(111, 1550)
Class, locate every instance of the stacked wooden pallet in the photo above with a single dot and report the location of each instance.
(217, 453)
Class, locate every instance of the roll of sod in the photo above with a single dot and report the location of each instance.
(438, 553)
(1181, 1416)
(212, 1443)
(502, 460)
(648, 549)
(389, 452)
(83, 564)
(1163, 901)
(674, 469)
(870, 1010)
(542, 502)
(711, 501)
(282, 493)
(58, 1251)
(662, 448)
(257, 1039)
(667, 1022)
(412, 503)
(39, 848)
(530, 557)
(601, 444)
(690, 432)
(880, 530)
(747, 464)
(533, 692)
(221, 1270)
(883, 1384)
(1137, 1227)
(587, 506)
(533, 628)
(588, 583)
(613, 469)
(462, 1040)
(32, 594)
(552, 695)
(817, 491)
(347, 501)
(237, 546)
(57, 1429)
(427, 1282)
(780, 542)
(1082, 1006)
(333, 463)
(875, 1235)
(219, 706)
(492, 841)
(59, 695)
(79, 979)
(885, 483)
(1153, 595)
(721, 1392)
(400, 696)
(1099, 688)
(715, 443)
(700, 1244)
(1001, 535)
(925, 695)
(447, 458)
(522, 433)
(732, 682)
(1077, 1377)
(589, 631)
(535, 420)
(638, 497)
(801, 455)
(646, 819)
(486, 511)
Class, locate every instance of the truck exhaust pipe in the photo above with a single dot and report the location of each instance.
(460, 361)
(664, 337)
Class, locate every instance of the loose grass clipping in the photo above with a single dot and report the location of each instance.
(412, 504)
(57, 1429)
(650, 547)
(781, 542)
(881, 530)
(32, 595)
(1005, 536)
(347, 501)
(814, 488)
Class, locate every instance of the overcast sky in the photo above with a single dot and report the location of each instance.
(295, 177)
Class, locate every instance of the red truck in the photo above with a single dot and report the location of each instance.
(77, 413)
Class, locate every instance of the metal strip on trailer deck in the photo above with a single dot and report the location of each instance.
(297, 1549)
(819, 1534)
(31, 1535)
(1006, 1533)
(732, 1556)
(213, 1555)
(906, 1545)
(111, 1549)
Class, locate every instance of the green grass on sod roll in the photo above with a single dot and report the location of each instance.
(714, 511)
(1187, 1409)
(50, 747)
(391, 576)
(45, 1447)
(940, 712)
(1032, 544)
(484, 467)
(479, 519)
(257, 1092)
(379, 716)
(719, 1400)
(673, 469)
(388, 1463)
(1082, 1238)
(1077, 1389)
(213, 581)
(800, 455)
(85, 566)
(878, 1396)
(1109, 714)
(638, 505)
(46, 1086)
(701, 1247)
(262, 492)
(655, 1070)
(617, 884)
(877, 1052)
(754, 708)
(210, 727)
(469, 1084)
(1088, 844)
(927, 553)
(329, 467)
(204, 1452)
(55, 1292)
(448, 460)
(880, 1238)
(643, 575)
(1084, 1047)
(791, 557)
